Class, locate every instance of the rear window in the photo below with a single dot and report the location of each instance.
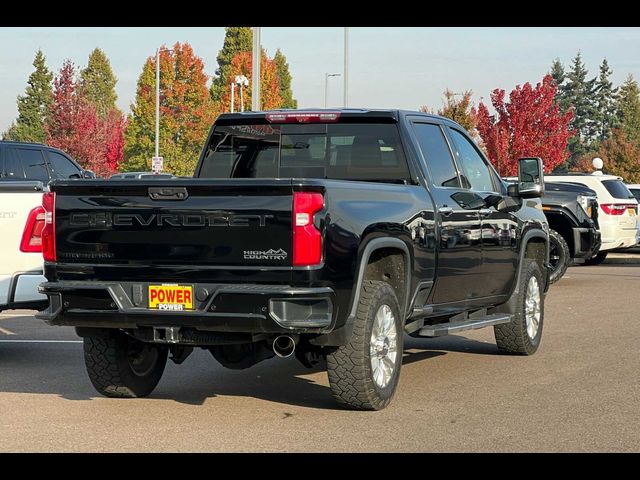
(336, 151)
(617, 189)
(636, 193)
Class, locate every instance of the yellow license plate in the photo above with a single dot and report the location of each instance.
(632, 212)
(171, 297)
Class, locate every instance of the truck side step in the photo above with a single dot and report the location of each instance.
(442, 329)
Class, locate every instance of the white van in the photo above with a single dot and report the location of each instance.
(617, 210)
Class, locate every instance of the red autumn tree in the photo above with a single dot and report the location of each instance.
(528, 125)
(270, 98)
(75, 127)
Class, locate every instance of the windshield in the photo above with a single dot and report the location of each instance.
(617, 189)
(335, 151)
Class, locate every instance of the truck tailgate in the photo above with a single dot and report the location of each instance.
(174, 222)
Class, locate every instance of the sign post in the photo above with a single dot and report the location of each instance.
(157, 163)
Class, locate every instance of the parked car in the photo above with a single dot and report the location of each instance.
(634, 188)
(37, 162)
(21, 265)
(617, 210)
(314, 233)
(572, 212)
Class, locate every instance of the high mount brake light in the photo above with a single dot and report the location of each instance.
(303, 117)
(307, 239)
(49, 230)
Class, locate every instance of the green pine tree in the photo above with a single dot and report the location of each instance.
(559, 77)
(99, 83)
(605, 95)
(284, 80)
(579, 94)
(236, 39)
(628, 108)
(33, 106)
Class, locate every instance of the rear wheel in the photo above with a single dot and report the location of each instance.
(121, 366)
(364, 374)
(597, 260)
(559, 256)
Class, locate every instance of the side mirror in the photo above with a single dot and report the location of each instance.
(530, 177)
(88, 174)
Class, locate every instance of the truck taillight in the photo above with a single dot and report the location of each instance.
(32, 235)
(617, 208)
(49, 230)
(307, 239)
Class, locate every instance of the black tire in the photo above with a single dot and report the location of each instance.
(512, 337)
(597, 260)
(122, 367)
(559, 256)
(350, 370)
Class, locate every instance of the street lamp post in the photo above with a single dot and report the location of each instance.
(326, 85)
(241, 81)
(158, 97)
(346, 66)
(255, 71)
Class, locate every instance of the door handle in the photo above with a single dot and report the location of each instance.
(168, 193)
(445, 211)
(485, 212)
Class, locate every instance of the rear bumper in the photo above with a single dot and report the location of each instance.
(238, 308)
(586, 242)
(20, 291)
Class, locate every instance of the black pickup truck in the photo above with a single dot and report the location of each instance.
(315, 233)
(572, 212)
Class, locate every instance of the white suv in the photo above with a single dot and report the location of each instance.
(617, 210)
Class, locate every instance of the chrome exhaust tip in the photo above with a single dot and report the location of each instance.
(284, 346)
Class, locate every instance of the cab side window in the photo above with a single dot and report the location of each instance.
(437, 155)
(61, 166)
(12, 168)
(475, 173)
(33, 163)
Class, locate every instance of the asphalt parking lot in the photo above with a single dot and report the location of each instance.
(580, 392)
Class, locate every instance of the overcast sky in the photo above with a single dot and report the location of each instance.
(389, 67)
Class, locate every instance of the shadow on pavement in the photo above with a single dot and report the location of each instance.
(58, 369)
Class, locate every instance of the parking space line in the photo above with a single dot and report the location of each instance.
(6, 332)
(40, 341)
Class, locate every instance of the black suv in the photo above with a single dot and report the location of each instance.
(37, 162)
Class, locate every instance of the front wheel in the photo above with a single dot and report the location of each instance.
(597, 260)
(364, 374)
(121, 366)
(559, 256)
(521, 336)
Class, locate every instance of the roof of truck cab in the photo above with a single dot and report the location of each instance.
(29, 144)
(351, 112)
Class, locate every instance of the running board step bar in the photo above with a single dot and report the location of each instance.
(442, 329)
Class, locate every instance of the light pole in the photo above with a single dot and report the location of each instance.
(241, 81)
(255, 71)
(346, 66)
(326, 85)
(158, 97)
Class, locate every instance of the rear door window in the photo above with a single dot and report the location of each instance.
(12, 169)
(437, 155)
(617, 189)
(33, 163)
